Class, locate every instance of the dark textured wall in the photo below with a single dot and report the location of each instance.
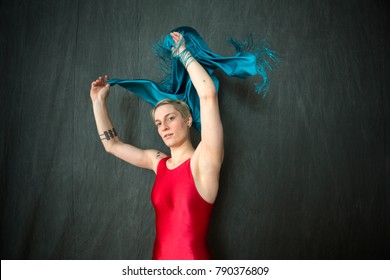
(306, 171)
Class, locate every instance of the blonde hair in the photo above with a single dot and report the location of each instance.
(179, 105)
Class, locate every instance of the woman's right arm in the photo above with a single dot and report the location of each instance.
(112, 144)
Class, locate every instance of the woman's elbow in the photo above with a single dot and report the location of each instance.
(110, 147)
(208, 93)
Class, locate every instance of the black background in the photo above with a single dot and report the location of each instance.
(306, 170)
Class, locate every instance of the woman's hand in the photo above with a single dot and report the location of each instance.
(179, 43)
(99, 89)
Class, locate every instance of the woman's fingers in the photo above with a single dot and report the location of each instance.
(176, 37)
(100, 81)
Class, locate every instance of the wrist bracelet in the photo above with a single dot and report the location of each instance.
(186, 58)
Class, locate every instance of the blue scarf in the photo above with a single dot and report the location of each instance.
(251, 58)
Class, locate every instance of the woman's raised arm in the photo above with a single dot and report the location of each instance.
(211, 146)
(148, 159)
(208, 156)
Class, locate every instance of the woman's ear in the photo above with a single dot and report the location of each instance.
(189, 121)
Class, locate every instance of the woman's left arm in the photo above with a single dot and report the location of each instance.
(211, 145)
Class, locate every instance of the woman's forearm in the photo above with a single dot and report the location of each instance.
(105, 128)
(201, 80)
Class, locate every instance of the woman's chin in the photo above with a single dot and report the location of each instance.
(169, 143)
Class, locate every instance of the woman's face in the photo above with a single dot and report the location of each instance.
(171, 126)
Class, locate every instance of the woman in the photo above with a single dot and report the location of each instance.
(187, 181)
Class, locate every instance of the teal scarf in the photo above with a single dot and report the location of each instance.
(251, 58)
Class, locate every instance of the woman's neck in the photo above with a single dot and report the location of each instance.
(181, 153)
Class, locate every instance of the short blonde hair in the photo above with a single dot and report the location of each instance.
(179, 105)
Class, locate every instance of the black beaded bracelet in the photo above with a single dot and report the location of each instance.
(108, 134)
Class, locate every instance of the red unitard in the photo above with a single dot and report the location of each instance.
(182, 215)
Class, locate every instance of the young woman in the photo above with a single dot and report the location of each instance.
(187, 180)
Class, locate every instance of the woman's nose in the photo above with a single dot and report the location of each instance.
(164, 126)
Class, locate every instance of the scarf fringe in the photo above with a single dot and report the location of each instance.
(165, 62)
(266, 59)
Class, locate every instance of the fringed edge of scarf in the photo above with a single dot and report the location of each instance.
(165, 61)
(266, 59)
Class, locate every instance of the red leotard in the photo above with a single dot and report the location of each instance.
(182, 215)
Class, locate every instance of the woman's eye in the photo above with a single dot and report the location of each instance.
(171, 118)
